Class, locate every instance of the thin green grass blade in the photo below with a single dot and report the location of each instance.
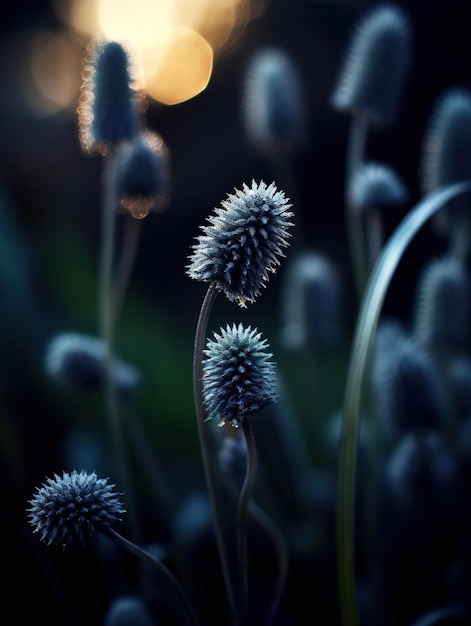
(363, 341)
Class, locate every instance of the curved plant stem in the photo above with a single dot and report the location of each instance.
(154, 563)
(206, 452)
(362, 346)
(281, 549)
(107, 326)
(355, 157)
(242, 513)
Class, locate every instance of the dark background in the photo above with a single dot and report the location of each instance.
(50, 196)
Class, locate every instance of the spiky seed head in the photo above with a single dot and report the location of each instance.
(243, 242)
(77, 361)
(376, 186)
(110, 102)
(273, 104)
(142, 175)
(238, 376)
(71, 510)
(311, 301)
(406, 385)
(375, 67)
(446, 153)
(128, 611)
(442, 306)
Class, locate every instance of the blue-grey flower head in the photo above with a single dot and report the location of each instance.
(273, 104)
(142, 174)
(238, 376)
(77, 361)
(72, 509)
(128, 611)
(109, 104)
(243, 241)
(376, 185)
(375, 66)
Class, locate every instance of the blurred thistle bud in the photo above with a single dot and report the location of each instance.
(238, 376)
(375, 186)
(442, 306)
(110, 102)
(446, 152)
(372, 79)
(311, 302)
(419, 467)
(142, 174)
(70, 510)
(243, 241)
(233, 460)
(128, 611)
(273, 104)
(405, 384)
(77, 361)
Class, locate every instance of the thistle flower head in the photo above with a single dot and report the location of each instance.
(142, 174)
(375, 186)
(273, 104)
(238, 376)
(109, 101)
(243, 241)
(70, 510)
(128, 611)
(77, 361)
(442, 306)
(374, 71)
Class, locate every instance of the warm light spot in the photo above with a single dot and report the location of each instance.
(183, 62)
(140, 22)
(81, 16)
(51, 82)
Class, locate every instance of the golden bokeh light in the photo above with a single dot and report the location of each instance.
(180, 67)
(49, 82)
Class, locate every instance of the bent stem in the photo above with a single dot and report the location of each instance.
(157, 565)
(364, 337)
(242, 513)
(206, 452)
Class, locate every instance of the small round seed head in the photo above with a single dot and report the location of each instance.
(243, 241)
(273, 104)
(109, 105)
(77, 361)
(406, 385)
(70, 510)
(446, 154)
(238, 376)
(128, 611)
(375, 186)
(142, 174)
(442, 306)
(311, 302)
(373, 75)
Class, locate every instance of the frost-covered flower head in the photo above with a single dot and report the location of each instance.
(376, 185)
(142, 174)
(70, 510)
(243, 241)
(77, 361)
(238, 376)
(110, 102)
(375, 66)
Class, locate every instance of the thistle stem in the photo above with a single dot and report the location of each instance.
(126, 262)
(107, 325)
(157, 565)
(355, 157)
(242, 514)
(206, 452)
